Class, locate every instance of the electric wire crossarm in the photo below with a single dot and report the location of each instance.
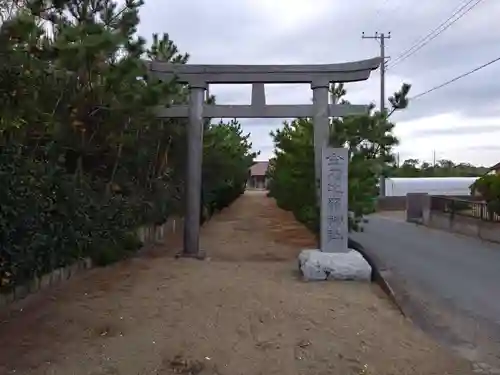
(381, 38)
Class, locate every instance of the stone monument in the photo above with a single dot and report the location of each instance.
(334, 208)
(334, 260)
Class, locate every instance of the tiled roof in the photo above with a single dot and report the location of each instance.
(259, 168)
(496, 167)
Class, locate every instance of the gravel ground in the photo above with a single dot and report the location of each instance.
(244, 310)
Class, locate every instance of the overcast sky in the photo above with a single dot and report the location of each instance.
(460, 121)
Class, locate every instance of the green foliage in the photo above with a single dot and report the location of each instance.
(227, 159)
(442, 168)
(291, 172)
(84, 161)
(369, 141)
(488, 187)
(113, 251)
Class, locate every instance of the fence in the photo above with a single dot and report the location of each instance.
(462, 207)
(399, 202)
(470, 217)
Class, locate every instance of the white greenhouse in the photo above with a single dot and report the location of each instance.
(432, 185)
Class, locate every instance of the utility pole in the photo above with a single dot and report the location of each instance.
(381, 39)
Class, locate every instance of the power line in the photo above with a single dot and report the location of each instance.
(422, 42)
(456, 78)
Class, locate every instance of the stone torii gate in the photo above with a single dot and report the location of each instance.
(198, 77)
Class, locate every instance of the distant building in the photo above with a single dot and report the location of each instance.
(257, 178)
(494, 169)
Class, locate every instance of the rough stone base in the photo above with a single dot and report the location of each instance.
(316, 265)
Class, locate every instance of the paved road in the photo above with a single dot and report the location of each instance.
(449, 283)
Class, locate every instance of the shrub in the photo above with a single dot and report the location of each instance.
(488, 187)
(369, 141)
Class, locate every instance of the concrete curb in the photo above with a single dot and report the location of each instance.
(377, 274)
(47, 280)
(149, 235)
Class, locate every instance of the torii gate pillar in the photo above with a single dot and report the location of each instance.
(194, 159)
(198, 77)
(321, 123)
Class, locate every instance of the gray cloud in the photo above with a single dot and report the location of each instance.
(266, 123)
(259, 31)
(467, 44)
(484, 148)
(460, 130)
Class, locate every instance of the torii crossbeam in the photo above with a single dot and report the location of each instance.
(198, 77)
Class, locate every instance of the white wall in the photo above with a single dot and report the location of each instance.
(430, 185)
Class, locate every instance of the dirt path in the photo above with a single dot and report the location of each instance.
(243, 311)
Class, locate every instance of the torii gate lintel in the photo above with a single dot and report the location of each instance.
(199, 77)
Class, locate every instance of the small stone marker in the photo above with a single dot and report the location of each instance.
(334, 204)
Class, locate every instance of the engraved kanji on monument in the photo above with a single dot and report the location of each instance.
(334, 204)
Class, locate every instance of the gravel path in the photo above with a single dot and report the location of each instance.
(450, 282)
(243, 311)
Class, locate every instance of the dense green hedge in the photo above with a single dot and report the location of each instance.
(48, 220)
(83, 160)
